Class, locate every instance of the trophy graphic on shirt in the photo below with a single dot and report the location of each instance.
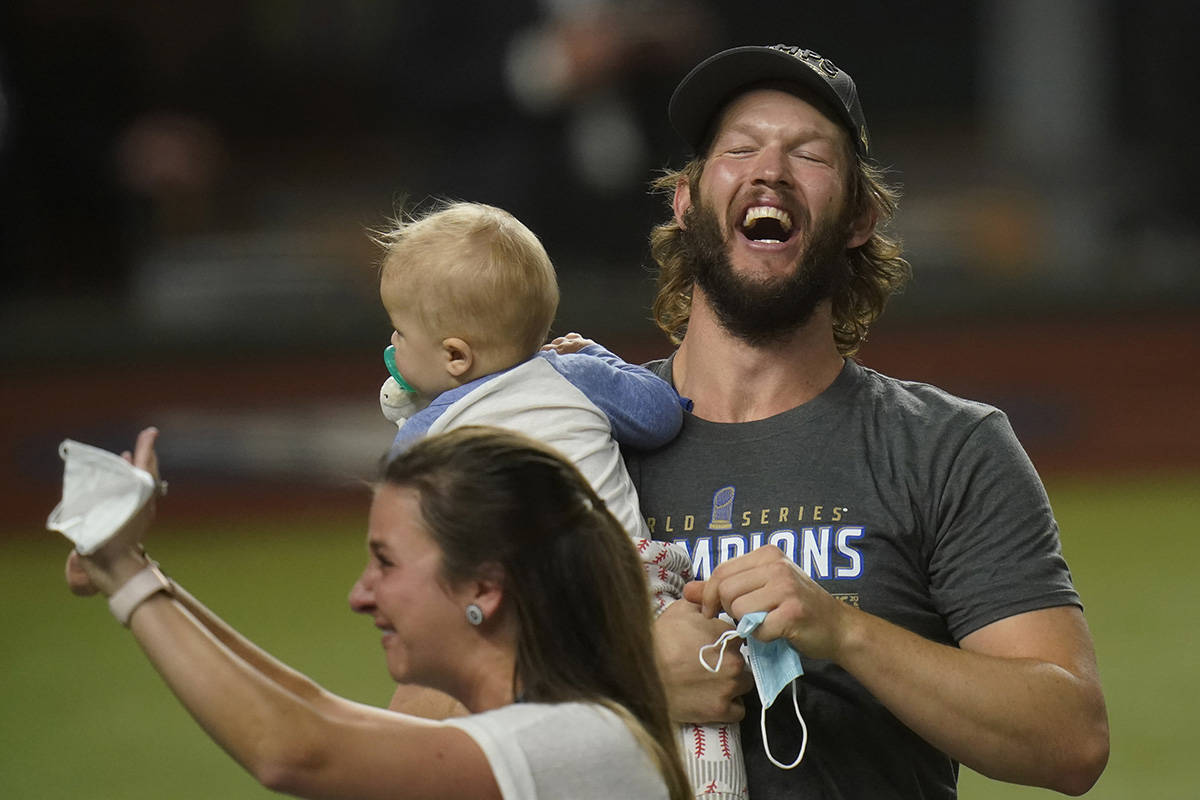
(722, 510)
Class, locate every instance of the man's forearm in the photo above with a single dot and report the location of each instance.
(1020, 701)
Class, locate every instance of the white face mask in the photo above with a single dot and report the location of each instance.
(101, 492)
(774, 665)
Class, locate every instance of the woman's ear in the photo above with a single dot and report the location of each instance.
(458, 356)
(486, 590)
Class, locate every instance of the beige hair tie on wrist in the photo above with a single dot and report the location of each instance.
(148, 582)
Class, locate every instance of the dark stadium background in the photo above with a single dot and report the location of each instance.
(185, 190)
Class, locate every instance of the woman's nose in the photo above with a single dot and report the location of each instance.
(362, 594)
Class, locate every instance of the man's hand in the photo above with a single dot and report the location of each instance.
(814, 622)
(571, 343)
(1019, 701)
(694, 694)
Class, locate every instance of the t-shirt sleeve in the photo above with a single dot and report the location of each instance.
(575, 750)
(513, 773)
(644, 411)
(996, 550)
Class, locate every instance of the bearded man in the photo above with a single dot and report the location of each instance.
(898, 537)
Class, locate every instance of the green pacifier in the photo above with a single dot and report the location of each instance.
(389, 360)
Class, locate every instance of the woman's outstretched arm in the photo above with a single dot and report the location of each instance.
(291, 734)
(288, 732)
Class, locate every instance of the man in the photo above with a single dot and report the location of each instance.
(917, 569)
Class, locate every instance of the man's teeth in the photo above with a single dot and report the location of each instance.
(757, 213)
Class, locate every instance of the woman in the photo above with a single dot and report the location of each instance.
(497, 576)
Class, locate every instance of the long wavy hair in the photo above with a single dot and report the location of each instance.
(875, 270)
(571, 574)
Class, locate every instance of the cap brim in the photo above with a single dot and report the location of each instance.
(714, 82)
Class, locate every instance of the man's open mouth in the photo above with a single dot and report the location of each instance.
(766, 224)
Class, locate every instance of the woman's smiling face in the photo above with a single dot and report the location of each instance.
(402, 588)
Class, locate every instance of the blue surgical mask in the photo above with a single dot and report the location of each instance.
(773, 664)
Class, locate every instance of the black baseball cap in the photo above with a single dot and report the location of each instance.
(718, 79)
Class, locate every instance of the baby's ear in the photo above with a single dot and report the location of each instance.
(458, 355)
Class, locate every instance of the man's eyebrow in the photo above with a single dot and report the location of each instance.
(736, 127)
(808, 133)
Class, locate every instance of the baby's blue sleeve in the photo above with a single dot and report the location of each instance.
(644, 410)
(416, 427)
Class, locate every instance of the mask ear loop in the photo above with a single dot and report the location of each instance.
(721, 642)
(803, 728)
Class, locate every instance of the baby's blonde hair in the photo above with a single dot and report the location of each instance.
(475, 272)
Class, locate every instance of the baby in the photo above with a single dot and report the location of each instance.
(471, 295)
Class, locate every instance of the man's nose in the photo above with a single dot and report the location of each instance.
(772, 166)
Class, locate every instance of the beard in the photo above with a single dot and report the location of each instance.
(762, 311)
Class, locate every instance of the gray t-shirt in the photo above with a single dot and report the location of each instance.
(555, 751)
(912, 504)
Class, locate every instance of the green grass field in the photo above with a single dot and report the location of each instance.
(84, 716)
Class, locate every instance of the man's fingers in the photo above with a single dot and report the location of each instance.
(737, 595)
(728, 587)
(752, 582)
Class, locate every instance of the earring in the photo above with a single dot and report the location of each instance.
(474, 614)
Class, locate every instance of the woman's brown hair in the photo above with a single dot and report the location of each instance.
(495, 497)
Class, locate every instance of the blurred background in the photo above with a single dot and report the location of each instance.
(185, 194)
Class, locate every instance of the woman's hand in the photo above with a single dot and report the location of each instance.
(107, 569)
(78, 580)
